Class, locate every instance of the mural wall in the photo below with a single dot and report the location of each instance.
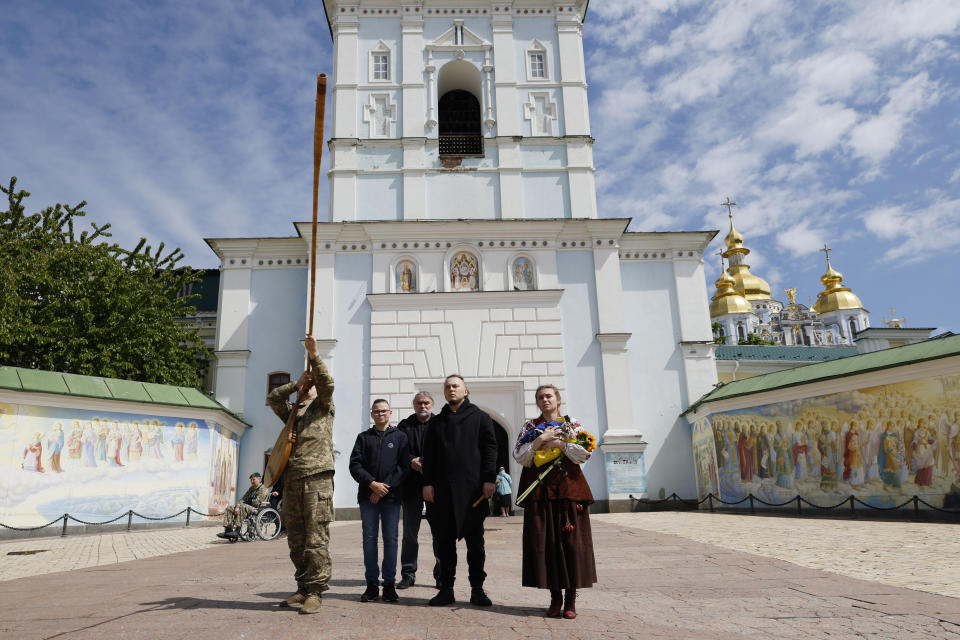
(882, 444)
(93, 464)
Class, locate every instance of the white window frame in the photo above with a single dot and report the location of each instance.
(537, 48)
(381, 49)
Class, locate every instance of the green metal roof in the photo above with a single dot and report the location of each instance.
(839, 368)
(789, 353)
(70, 384)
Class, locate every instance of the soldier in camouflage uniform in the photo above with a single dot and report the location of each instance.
(308, 479)
(255, 496)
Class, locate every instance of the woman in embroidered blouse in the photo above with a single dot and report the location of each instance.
(557, 542)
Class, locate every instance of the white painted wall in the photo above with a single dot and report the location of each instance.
(656, 374)
(583, 399)
(350, 365)
(276, 321)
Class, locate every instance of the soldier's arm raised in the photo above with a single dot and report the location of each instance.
(278, 399)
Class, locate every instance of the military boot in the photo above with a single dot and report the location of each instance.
(295, 599)
(311, 604)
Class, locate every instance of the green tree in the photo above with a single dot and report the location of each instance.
(82, 304)
(755, 338)
(718, 336)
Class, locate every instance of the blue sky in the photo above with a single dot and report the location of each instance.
(827, 121)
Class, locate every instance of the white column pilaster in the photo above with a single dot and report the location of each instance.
(572, 73)
(508, 105)
(346, 47)
(412, 76)
(696, 337)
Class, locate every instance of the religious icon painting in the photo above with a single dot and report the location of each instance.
(405, 277)
(522, 275)
(464, 272)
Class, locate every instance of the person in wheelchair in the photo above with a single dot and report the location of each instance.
(249, 504)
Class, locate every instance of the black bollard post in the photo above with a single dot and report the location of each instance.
(751, 503)
(130, 520)
(189, 509)
(916, 507)
(799, 507)
(710, 501)
(64, 531)
(853, 507)
(676, 502)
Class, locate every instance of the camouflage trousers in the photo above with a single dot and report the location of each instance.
(231, 520)
(307, 513)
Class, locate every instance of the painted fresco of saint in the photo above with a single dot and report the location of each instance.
(406, 278)
(523, 275)
(191, 441)
(33, 454)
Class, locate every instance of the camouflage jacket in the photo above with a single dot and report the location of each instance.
(255, 496)
(313, 449)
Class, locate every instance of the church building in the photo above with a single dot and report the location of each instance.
(463, 236)
(743, 305)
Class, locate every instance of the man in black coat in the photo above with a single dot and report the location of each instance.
(415, 427)
(459, 469)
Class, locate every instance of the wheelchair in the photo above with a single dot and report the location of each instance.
(264, 524)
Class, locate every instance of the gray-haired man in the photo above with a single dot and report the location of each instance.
(415, 427)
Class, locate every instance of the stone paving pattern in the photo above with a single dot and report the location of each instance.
(922, 556)
(652, 585)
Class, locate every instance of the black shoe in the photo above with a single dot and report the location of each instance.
(389, 593)
(443, 598)
(406, 582)
(371, 594)
(479, 597)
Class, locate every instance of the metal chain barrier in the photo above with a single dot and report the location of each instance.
(129, 515)
(850, 501)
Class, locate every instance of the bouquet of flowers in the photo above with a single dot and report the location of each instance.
(569, 434)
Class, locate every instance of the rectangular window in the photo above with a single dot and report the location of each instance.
(537, 67)
(381, 63)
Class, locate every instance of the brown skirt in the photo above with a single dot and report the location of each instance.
(554, 558)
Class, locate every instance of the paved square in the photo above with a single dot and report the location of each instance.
(652, 585)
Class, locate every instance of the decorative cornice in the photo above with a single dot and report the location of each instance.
(464, 300)
(613, 342)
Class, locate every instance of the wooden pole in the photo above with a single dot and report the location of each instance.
(317, 156)
(282, 448)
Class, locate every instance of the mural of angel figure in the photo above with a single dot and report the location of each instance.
(464, 273)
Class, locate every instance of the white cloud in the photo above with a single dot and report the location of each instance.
(800, 239)
(917, 234)
(877, 137)
(809, 126)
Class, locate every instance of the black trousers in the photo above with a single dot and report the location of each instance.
(444, 527)
(410, 546)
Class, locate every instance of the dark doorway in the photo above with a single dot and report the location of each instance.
(460, 132)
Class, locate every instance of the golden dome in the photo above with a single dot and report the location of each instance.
(835, 296)
(727, 299)
(746, 284)
(734, 239)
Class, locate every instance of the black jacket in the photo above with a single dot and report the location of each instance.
(459, 455)
(415, 431)
(381, 456)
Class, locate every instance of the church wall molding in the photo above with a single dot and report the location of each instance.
(464, 299)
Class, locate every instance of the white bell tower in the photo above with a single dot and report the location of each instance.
(459, 109)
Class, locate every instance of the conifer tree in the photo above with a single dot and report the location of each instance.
(79, 303)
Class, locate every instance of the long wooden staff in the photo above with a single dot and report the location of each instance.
(282, 448)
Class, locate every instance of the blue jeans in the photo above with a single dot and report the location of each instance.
(385, 516)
